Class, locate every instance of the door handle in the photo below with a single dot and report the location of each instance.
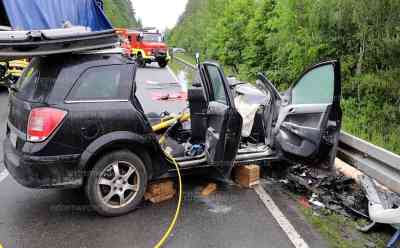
(292, 111)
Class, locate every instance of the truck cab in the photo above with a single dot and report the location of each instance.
(149, 47)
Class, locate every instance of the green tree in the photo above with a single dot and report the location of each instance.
(231, 38)
(121, 13)
(283, 37)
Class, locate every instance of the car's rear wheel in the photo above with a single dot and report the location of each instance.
(117, 183)
(162, 63)
(140, 60)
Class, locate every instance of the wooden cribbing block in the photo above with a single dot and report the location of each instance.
(247, 176)
(160, 191)
(209, 189)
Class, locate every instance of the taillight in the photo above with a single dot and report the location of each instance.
(42, 123)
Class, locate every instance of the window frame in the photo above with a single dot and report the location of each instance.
(124, 96)
(211, 88)
(336, 82)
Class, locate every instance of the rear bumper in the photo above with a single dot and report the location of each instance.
(42, 171)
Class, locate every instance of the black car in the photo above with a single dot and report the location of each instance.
(75, 121)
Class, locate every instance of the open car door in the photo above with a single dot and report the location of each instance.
(224, 123)
(309, 120)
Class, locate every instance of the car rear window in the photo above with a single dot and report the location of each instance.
(36, 81)
(102, 83)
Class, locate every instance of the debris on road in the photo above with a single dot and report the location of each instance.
(347, 192)
(337, 192)
(247, 176)
(160, 191)
(303, 201)
(347, 170)
(383, 207)
(209, 189)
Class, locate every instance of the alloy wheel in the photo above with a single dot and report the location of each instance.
(118, 184)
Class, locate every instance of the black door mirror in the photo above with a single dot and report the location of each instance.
(196, 84)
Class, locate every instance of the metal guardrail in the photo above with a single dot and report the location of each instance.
(185, 63)
(374, 161)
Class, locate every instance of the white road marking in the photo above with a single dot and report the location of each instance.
(3, 175)
(173, 74)
(285, 224)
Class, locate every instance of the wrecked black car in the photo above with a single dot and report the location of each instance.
(76, 122)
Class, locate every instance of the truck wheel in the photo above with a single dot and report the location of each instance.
(140, 61)
(117, 183)
(163, 63)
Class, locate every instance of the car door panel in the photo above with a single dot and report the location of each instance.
(304, 115)
(224, 123)
(305, 121)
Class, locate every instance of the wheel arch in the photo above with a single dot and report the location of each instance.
(117, 141)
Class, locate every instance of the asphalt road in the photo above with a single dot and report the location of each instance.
(232, 217)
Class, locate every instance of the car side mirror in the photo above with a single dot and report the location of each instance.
(196, 84)
(176, 50)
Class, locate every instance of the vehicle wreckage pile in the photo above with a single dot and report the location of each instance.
(357, 199)
(335, 192)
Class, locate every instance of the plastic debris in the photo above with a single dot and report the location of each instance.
(334, 192)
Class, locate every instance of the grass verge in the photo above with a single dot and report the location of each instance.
(341, 232)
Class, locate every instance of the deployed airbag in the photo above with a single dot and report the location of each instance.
(248, 100)
(248, 112)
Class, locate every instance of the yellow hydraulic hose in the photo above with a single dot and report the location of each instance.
(173, 161)
(164, 124)
(178, 207)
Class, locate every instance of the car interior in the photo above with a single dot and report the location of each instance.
(300, 123)
(186, 140)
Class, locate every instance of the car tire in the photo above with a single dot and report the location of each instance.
(162, 63)
(140, 61)
(105, 180)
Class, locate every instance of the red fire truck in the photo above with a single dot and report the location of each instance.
(148, 47)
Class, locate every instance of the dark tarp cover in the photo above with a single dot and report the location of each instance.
(49, 14)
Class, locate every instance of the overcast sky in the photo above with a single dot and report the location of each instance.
(159, 13)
